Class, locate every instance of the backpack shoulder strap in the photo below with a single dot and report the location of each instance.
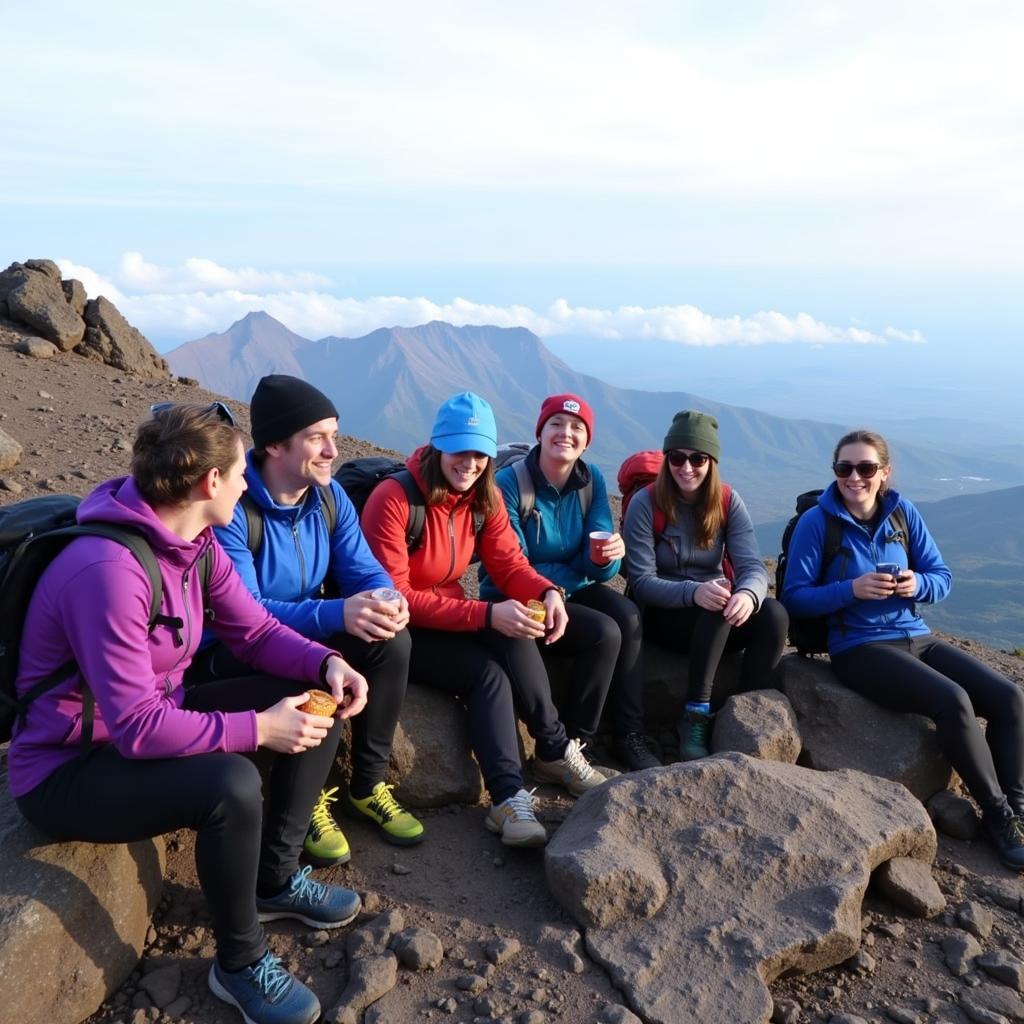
(329, 508)
(660, 521)
(726, 502)
(833, 541)
(901, 529)
(586, 496)
(417, 508)
(527, 492)
(253, 522)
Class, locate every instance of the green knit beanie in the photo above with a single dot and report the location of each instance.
(694, 430)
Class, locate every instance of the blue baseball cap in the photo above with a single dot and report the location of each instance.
(465, 423)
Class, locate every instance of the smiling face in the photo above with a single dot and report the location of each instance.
(462, 469)
(563, 437)
(231, 484)
(687, 478)
(860, 494)
(305, 459)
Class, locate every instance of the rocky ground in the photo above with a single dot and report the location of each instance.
(509, 952)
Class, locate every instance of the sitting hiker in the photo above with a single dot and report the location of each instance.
(881, 648)
(481, 651)
(554, 509)
(161, 758)
(680, 532)
(309, 566)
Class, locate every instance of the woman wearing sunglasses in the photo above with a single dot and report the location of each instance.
(879, 645)
(160, 758)
(694, 567)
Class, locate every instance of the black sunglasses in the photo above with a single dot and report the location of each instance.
(865, 470)
(218, 407)
(696, 459)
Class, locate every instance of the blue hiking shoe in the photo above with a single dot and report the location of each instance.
(314, 903)
(265, 993)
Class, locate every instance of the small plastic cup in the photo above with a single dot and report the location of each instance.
(598, 539)
(388, 596)
(724, 582)
(537, 610)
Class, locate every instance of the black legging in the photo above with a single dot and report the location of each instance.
(926, 676)
(245, 841)
(705, 635)
(603, 639)
(385, 663)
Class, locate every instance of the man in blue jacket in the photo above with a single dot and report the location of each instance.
(313, 570)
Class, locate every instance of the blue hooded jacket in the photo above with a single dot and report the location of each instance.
(297, 556)
(555, 536)
(853, 621)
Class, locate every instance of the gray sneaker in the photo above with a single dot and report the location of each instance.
(514, 820)
(572, 770)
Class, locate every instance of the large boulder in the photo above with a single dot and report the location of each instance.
(110, 339)
(698, 884)
(760, 723)
(34, 297)
(10, 452)
(73, 918)
(841, 729)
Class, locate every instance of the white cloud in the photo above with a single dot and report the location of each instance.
(203, 297)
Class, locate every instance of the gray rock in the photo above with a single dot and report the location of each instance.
(979, 1015)
(74, 292)
(471, 983)
(112, 340)
(1008, 895)
(954, 815)
(418, 949)
(501, 949)
(162, 984)
(34, 298)
(375, 936)
(38, 348)
(11, 486)
(178, 1008)
(10, 452)
(904, 1015)
(1004, 967)
(370, 977)
(612, 1014)
(485, 1006)
(761, 724)
(909, 884)
(846, 1018)
(786, 1011)
(777, 861)
(975, 918)
(534, 1017)
(841, 729)
(960, 950)
(862, 962)
(47, 267)
(996, 999)
(78, 913)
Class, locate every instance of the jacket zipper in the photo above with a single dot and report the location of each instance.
(301, 558)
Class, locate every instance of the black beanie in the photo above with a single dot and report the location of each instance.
(696, 431)
(282, 405)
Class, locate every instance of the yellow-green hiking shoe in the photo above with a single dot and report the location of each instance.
(397, 825)
(325, 843)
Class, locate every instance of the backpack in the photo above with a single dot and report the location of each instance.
(810, 635)
(32, 534)
(359, 477)
(254, 516)
(514, 455)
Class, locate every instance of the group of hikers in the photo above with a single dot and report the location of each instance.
(275, 587)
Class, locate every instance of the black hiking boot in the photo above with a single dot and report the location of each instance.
(634, 753)
(1006, 834)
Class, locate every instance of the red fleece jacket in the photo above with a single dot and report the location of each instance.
(429, 577)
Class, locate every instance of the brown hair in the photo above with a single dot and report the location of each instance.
(485, 491)
(708, 508)
(868, 437)
(176, 447)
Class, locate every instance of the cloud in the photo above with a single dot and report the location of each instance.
(202, 297)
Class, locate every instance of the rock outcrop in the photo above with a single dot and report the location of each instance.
(110, 339)
(73, 919)
(761, 724)
(33, 296)
(777, 859)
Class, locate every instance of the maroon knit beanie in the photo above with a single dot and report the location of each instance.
(555, 404)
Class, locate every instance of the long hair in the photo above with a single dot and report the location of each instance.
(876, 441)
(484, 492)
(708, 508)
(176, 447)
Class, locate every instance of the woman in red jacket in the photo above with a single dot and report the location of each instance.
(481, 651)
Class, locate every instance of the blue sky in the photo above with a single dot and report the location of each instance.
(713, 174)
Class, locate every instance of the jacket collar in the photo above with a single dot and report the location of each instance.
(579, 475)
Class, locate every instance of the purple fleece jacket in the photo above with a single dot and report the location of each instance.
(92, 603)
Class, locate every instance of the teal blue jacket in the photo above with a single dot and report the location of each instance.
(555, 536)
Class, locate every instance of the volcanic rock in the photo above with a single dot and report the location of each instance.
(760, 723)
(112, 340)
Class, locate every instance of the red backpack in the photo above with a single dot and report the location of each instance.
(638, 472)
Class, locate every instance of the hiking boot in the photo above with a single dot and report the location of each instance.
(513, 819)
(265, 993)
(1007, 836)
(694, 730)
(572, 770)
(314, 903)
(325, 843)
(396, 824)
(634, 753)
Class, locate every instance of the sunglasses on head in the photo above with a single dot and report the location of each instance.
(865, 470)
(696, 459)
(218, 407)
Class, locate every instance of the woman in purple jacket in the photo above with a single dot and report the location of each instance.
(160, 758)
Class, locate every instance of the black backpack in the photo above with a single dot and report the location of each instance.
(810, 635)
(32, 534)
(254, 516)
(359, 477)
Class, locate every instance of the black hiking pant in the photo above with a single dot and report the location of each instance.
(246, 840)
(705, 636)
(926, 676)
(384, 663)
